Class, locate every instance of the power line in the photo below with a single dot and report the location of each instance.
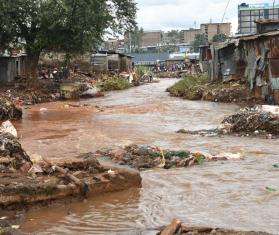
(228, 3)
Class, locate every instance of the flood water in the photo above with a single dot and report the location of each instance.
(226, 194)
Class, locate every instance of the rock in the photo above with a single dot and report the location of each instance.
(8, 127)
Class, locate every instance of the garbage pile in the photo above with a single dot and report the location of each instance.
(257, 120)
(12, 156)
(8, 110)
(178, 228)
(147, 157)
(227, 94)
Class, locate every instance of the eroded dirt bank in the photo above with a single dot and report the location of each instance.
(230, 195)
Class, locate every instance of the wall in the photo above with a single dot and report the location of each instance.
(189, 35)
(151, 39)
(211, 29)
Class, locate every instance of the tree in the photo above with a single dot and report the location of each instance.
(220, 38)
(135, 38)
(70, 26)
(200, 40)
(174, 37)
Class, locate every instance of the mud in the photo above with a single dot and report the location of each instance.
(177, 228)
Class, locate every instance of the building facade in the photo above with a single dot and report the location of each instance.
(248, 14)
(151, 38)
(212, 29)
(190, 34)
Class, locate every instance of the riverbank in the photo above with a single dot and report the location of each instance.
(198, 88)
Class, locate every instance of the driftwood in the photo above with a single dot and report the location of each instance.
(172, 228)
(66, 174)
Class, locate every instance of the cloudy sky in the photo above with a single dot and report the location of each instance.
(182, 14)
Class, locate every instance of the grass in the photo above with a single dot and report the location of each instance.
(114, 83)
(189, 87)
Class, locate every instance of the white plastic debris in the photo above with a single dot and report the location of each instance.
(8, 127)
(271, 109)
(43, 109)
(35, 169)
(91, 92)
(111, 172)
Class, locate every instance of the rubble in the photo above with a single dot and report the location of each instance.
(147, 157)
(178, 228)
(12, 156)
(250, 121)
(8, 110)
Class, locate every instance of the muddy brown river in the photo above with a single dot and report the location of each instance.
(224, 194)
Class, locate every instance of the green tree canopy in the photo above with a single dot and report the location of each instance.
(70, 26)
(200, 40)
(220, 38)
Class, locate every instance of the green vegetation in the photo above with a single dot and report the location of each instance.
(114, 83)
(69, 26)
(180, 154)
(142, 70)
(220, 38)
(200, 40)
(189, 87)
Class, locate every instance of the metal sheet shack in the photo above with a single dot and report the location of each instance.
(106, 61)
(12, 66)
(253, 59)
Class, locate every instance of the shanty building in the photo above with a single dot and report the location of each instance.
(12, 66)
(106, 61)
(252, 58)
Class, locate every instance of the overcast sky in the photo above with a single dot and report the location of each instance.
(182, 14)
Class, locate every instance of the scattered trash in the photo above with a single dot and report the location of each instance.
(146, 157)
(8, 110)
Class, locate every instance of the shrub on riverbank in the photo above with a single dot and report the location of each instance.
(114, 83)
(191, 87)
(198, 88)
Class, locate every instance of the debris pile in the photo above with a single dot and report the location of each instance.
(8, 110)
(178, 228)
(12, 156)
(258, 120)
(252, 120)
(235, 92)
(146, 157)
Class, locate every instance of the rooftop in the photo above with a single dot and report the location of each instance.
(245, 6)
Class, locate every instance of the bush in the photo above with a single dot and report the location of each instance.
(114, 83)
(190, 87)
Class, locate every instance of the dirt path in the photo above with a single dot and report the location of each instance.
(230, 195)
